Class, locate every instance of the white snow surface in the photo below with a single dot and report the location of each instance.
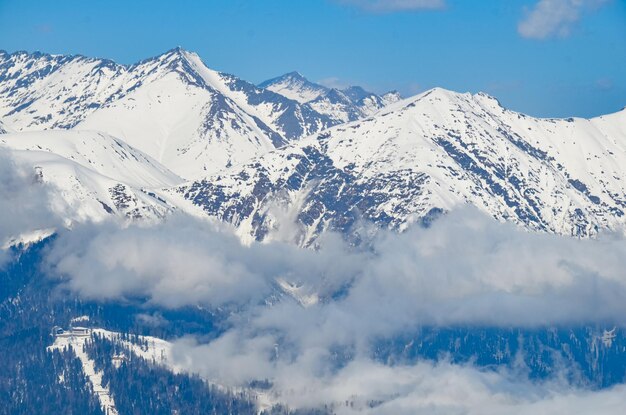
(107, 155)
(75, 342)
(439, 150)
(341, 105)
(27, 238)
(3, 128)
(294, 86)
(190, 129)
(172, 107)
(157, 351)
(92, 175)
(135, 131)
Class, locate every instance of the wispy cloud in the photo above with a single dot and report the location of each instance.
(465, 269)
(457, 272)
(205, 265)
(386, 6)
(45, 28)
(25, 202)
(333, 82)
(555, 18)
(605, 84)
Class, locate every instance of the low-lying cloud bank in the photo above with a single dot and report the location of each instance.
(185, 261)
(464, 270)
(427, 388)
(297, 310)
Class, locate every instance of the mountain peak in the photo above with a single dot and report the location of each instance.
(177, 52)
(450, 95)
(436, 93)
(295, 86)
(391, 97)
(490, 100)
(294, 75)
(340, 104)
(356, 93)
(178, 60)
(438, 98)
(290, 78)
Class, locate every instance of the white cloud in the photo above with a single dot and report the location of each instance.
(172, 265)
(466, 269)
(369, 387)
(333, 82)
(456, 272)
(25, 202)
(555, 18)
(382, 6)
(185, 261)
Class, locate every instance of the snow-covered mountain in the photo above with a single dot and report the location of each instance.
(426, 155)
(341, 105)
(264, 157)
(172, 107)
(92, 174)
(190, 118)
(294, 86)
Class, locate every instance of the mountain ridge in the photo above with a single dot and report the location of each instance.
(342, 104)
(439, 150)
(171, 106)
(41, 91)
(245, 161)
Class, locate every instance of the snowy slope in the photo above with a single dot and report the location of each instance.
(181, 122)
(295, 86)
(93, 176)
(41, 91)
(3, 128)
(76, 341)
(101, 152)
(391, 97)
(243, 151)
(428, 154)
(172, 107)
(341, 105)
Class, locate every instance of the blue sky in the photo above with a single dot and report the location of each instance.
(541, 57)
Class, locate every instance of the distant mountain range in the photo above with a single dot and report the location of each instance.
(190, 118)
(169, 133)
(341, 105)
